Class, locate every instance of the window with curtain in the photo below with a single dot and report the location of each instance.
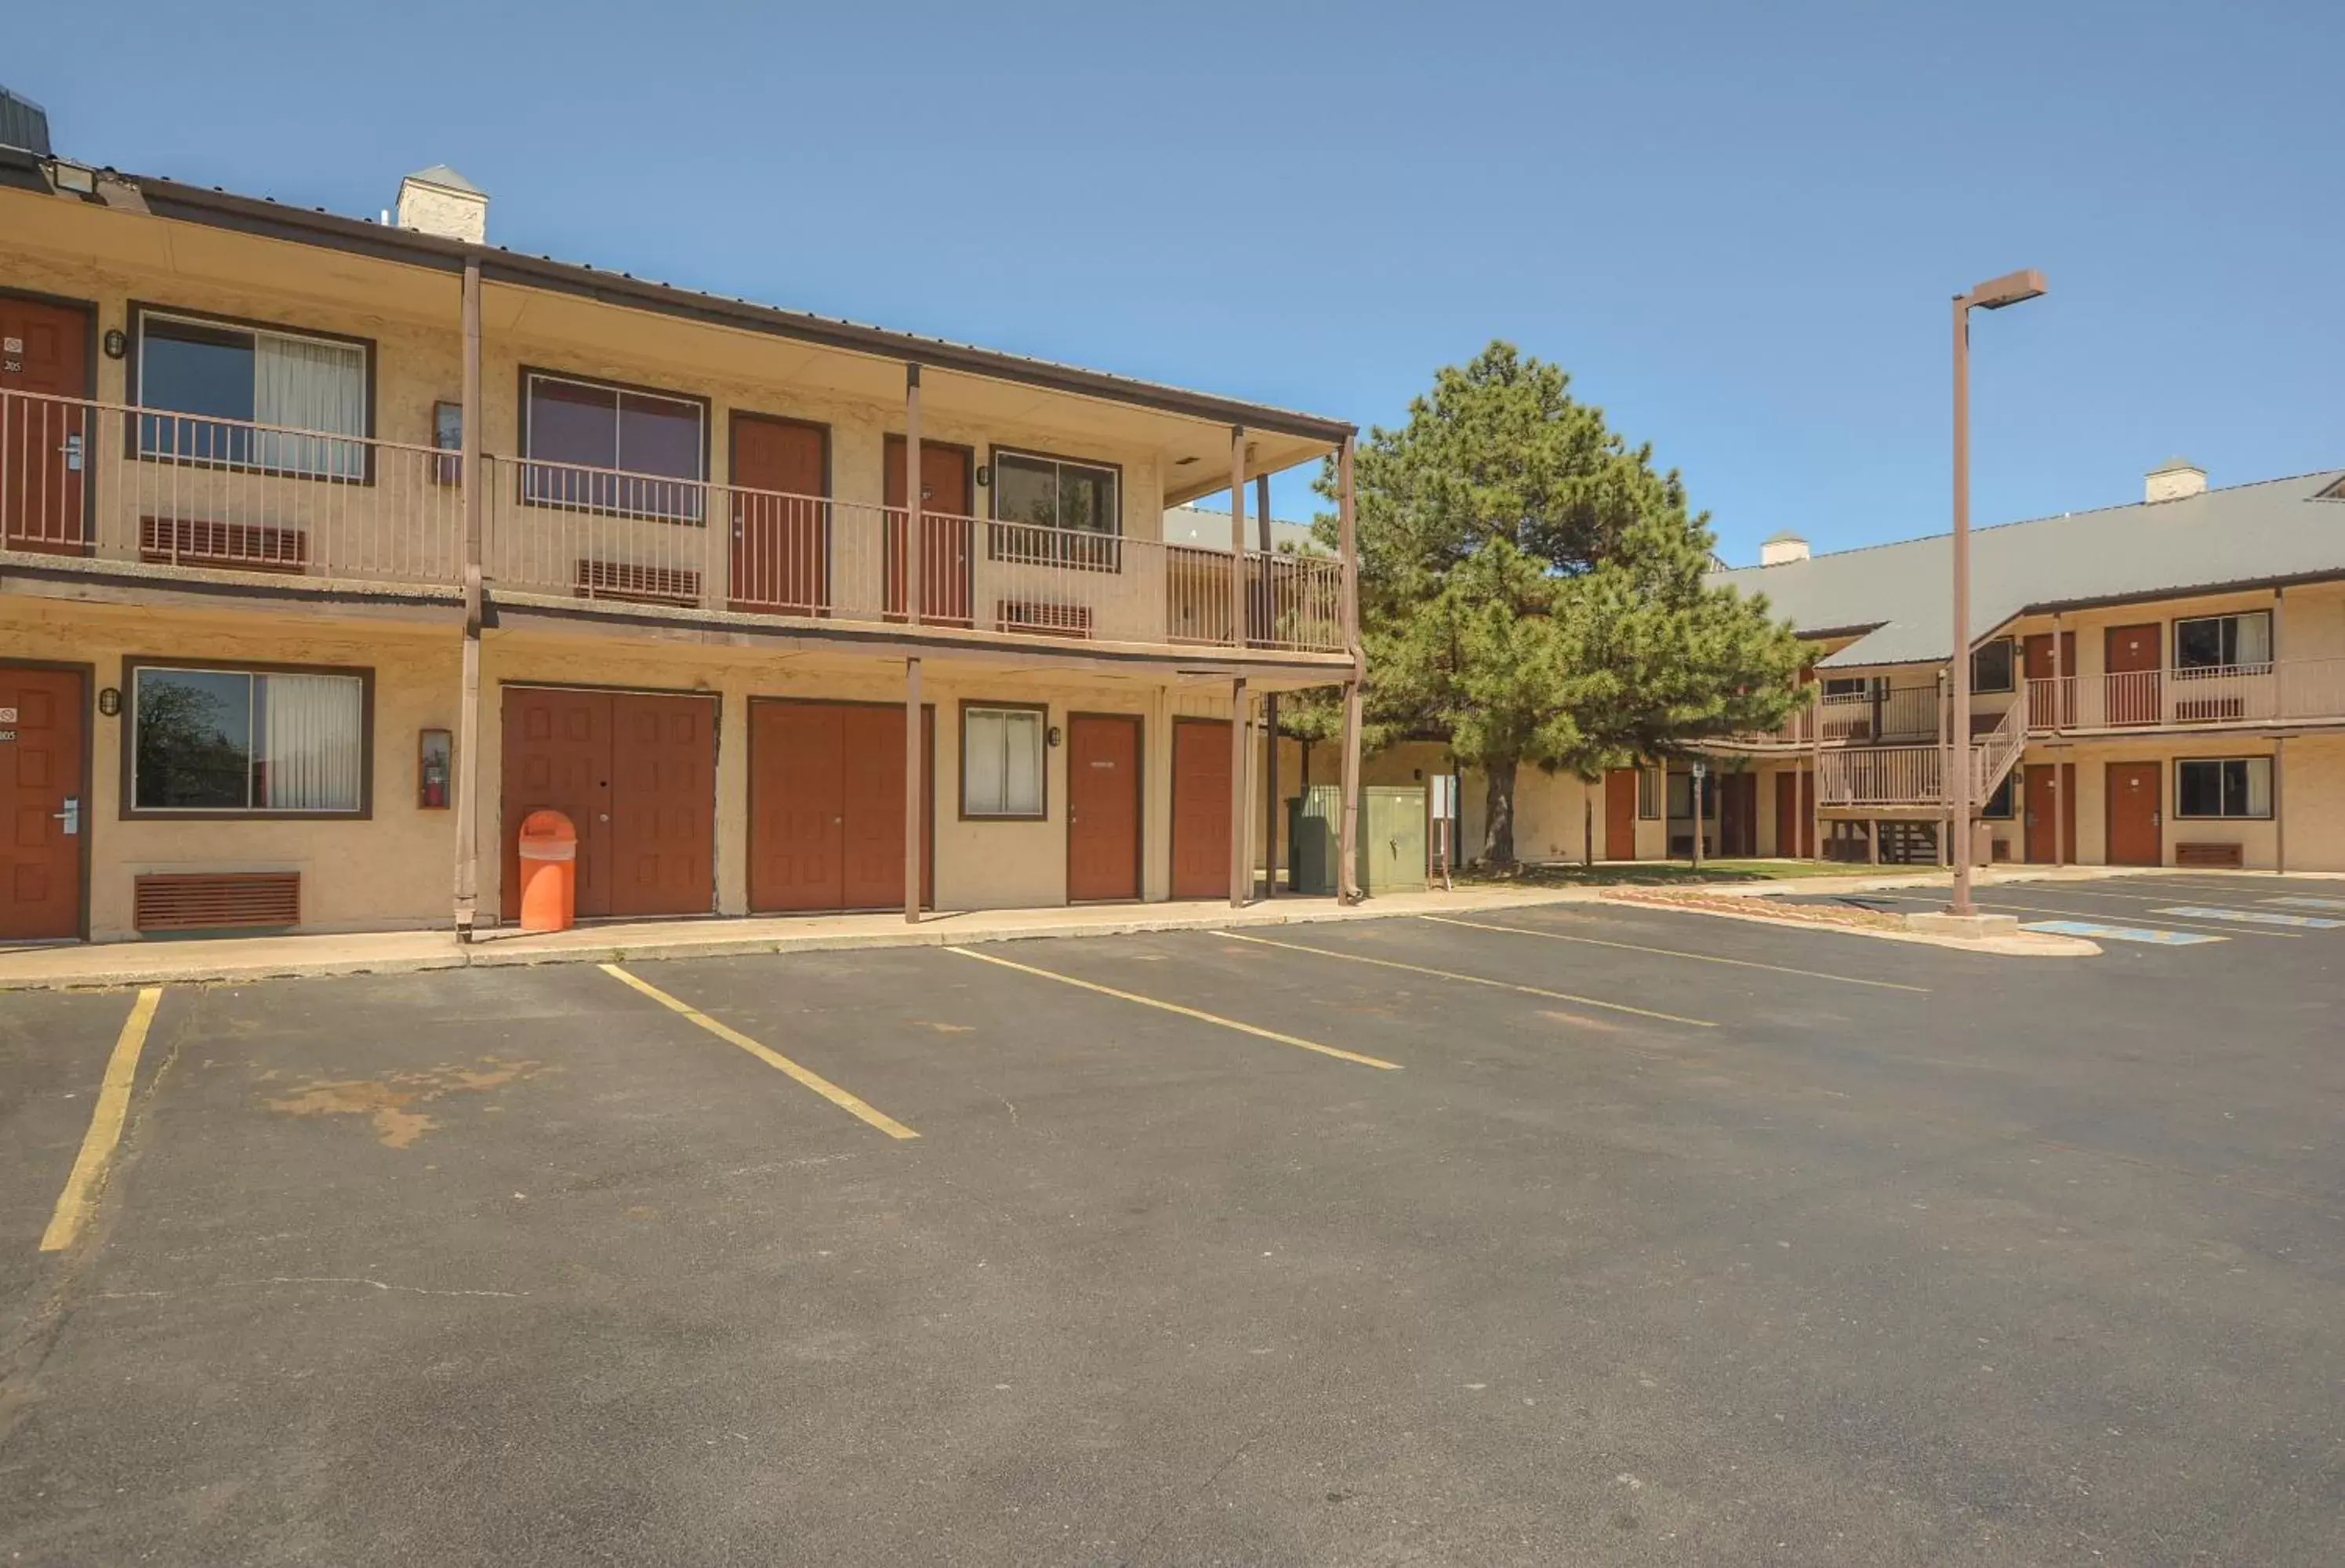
(1001, 762)
(2223, 642)
(2223, 786)
(633, 453)
(1649, 793)
(252, 397)
(209, 740)
(1053, 509)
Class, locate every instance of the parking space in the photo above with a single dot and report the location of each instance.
(2177, 911)
(1584, 1233)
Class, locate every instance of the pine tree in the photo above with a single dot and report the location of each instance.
(1531, 590)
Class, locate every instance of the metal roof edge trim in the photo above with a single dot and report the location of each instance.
(170, 198)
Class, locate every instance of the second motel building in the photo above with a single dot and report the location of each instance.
(333, 548)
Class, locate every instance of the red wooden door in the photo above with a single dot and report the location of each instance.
(2040, 799)
(1738, 813)
(1795, 823)
(797, 805)
(827, 807)
(781, 526)
(1620, 813)
(2133, 815)
(557, 756)
(662, 835)
(1103, 806)
(2050, 836)
(2132, 656)
(46, 803)
(948, 491)
(2036, 662)
(45, 447)
(1201, 808)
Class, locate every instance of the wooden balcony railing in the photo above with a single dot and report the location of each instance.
(183, 492)
(2190, 697)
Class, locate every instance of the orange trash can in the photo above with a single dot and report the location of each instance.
(548, 872)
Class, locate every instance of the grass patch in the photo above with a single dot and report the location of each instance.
(1657, 874)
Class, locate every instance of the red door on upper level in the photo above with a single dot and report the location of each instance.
(948, 494)
(45, 445)
(781, 524)
(2132, 656)
(2037, 662)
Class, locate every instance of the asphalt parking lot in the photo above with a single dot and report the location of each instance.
(1584, 1234)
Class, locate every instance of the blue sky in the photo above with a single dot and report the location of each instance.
(1737, 225)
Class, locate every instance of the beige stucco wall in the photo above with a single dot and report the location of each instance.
(395, 869)
(412, 318)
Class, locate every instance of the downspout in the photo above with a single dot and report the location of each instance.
(468, 708)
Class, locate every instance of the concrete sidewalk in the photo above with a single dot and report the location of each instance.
(399, 952)
(406, 952)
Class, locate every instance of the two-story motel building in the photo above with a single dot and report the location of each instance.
(2158, 683)
(332, 547)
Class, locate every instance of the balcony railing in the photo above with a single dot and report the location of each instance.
(1884, 776)
(82, 478)
(117, 483)
(2289, 689)
(1898, 714)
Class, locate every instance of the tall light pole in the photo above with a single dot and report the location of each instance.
(1993, 295)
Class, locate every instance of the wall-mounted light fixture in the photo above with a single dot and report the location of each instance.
(115, 343)
(985, 473)
(1053, 735)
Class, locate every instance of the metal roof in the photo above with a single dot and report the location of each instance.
(1210, 529)
(2277, 530)
(314, 226)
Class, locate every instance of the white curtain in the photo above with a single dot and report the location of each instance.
(1021, 738)
(307, 385)
(311, 742)
(1004, 771)
(2254, 639)
(2259, 791)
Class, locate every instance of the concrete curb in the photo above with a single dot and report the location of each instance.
(142, 967)
(2027, 944)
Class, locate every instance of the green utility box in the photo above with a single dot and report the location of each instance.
(1312, 826)
(1392, 838)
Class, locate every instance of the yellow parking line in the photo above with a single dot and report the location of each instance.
(104, 1126)
(771, 1059)
(1335, 1051)
(1672, 952)
(1473, 980)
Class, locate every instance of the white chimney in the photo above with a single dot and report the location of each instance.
(2173, 480)
(1782, 550)
(438, 200)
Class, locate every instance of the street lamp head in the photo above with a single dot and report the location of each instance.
(2010, 288)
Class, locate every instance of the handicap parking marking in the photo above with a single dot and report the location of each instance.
(2309, 902)
(2122, 932)
(2252, 917)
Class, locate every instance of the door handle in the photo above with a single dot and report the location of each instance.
(70, 816)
